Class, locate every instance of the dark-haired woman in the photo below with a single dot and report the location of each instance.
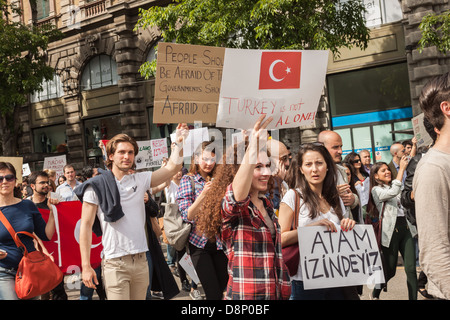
(312, 174)
(354, 161)
(23, 216)
(397, 233)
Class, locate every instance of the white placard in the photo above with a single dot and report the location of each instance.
(284, 84)
(187, 265)
(339, 259)
(193, 140)
(56, 163)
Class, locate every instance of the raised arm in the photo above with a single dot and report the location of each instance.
(176, 158)
(258, 140)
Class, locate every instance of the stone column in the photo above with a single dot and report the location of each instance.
(130, 89)
(421, 66)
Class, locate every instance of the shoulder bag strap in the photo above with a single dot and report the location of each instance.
(14, 234)
(297, 203)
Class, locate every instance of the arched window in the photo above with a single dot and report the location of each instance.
(101, 71)
(51, 89)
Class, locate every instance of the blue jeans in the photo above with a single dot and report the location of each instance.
(7, 284)
(298, 292)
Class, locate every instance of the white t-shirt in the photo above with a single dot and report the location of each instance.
(127, 235)
(304, 219)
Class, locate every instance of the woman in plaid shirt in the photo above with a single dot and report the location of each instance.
(206, 252)
(250, 229)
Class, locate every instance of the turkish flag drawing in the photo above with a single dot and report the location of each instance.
(280, 70)
(64, 246)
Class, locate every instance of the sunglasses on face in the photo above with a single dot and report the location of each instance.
(356, 160)
(8, 178)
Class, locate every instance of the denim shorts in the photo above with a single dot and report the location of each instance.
(7, 284)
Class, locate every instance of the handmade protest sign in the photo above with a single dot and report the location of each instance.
(187, 83)
(56, 163)
(421, 134)
(338, 259)
(151, 153)
(284, 84)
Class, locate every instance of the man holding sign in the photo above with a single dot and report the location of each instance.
(116, 199)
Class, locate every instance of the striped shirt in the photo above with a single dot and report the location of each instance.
(185, 198)
(255, 263)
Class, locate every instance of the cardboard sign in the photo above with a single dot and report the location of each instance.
(421, 134)
(339, 259)
(187, 83)
(284, 84)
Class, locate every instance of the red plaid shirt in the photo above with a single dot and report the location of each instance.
(255, 264)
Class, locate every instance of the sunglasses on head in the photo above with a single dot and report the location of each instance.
(8, 178)
(312, 144)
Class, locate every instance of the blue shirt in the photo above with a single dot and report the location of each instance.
(65, 192)
(23, 216)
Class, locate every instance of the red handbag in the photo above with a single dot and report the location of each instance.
(291, 253)
(37, 273)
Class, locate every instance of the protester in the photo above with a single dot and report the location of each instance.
(313, 176)
(365, 160)
(23, 215)
(206, 253)
(40, 183)
(357, 212)
(52, 178)
(354, 160)
(333, 143)
(249, 225)
(431, 190)
(61, 180)
(397, 233)
(281, 156)
(408, 199)
(397, 151)
(410, 147)
(114, 200)
(65, 191)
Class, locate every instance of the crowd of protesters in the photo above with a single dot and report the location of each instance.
(242, 213)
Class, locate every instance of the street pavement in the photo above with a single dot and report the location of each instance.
(397, 289)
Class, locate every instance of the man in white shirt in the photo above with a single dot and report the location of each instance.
(65, 191)
(125, 267)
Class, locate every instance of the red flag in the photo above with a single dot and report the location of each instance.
(280, 70)
(64, 246)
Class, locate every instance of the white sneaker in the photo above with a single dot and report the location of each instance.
(196, 295)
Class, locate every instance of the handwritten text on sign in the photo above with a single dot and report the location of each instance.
(337, 259)
(151, 153)
(187, 83)
(284, 84)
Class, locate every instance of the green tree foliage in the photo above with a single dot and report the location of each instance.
(260, 24)
(23, 67)
(435, 32)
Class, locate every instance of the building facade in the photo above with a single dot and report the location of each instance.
(97, 91)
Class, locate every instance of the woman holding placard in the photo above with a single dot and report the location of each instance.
(397, 233)
(312, 175)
